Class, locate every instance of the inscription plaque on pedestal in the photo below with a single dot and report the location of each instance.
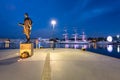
(26, 50)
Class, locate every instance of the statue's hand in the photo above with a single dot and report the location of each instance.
(20, 24)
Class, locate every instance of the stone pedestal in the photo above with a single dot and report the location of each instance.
(26, 50)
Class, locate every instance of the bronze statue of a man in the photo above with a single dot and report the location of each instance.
(27, 25)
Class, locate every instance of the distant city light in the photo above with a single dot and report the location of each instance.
(109, 38)
(39, 38)
(118, 36)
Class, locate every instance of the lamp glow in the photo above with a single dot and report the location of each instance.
(109, 39)
(53, 22)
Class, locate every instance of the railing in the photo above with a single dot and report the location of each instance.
(10, 45)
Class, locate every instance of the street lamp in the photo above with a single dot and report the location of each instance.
(53, 22)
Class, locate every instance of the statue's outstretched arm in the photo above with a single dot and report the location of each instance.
(21, 24)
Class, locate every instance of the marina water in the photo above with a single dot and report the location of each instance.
(103, 49)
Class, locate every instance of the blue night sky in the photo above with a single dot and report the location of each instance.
(94, 17)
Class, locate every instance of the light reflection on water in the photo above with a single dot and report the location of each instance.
(66, 45)
(76, 46)
(118, 48)
(110, 50)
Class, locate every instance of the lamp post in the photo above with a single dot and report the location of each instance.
(53, 22)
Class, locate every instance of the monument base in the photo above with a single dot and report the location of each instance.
(26, 50)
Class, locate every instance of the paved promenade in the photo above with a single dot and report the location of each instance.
(58, 64)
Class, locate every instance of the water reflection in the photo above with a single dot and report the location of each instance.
(90, 47)
(66, 45)
(84, 46)
(94, 45)
(109, 48)
(76, 46)
(118, 48)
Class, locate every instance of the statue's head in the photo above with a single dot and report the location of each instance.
(26, 15)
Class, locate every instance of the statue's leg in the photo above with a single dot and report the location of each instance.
(27, 33)
(28, 37)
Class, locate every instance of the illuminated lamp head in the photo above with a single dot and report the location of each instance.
(109, 38)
